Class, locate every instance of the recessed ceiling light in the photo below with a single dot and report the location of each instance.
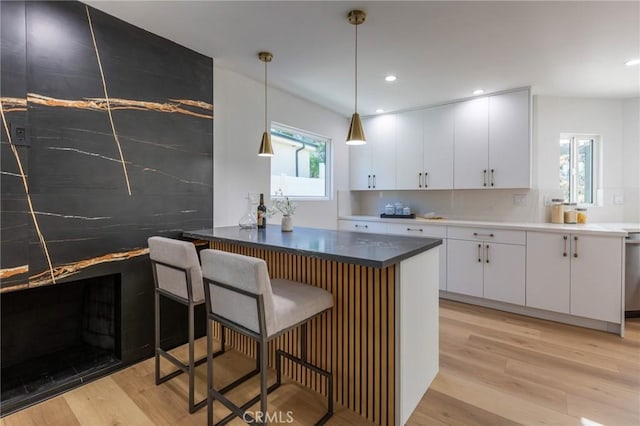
(379, 111)
(632, 62)
(478, 92)
(390, 78)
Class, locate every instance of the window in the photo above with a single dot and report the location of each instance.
(299, 167)
(578, 167)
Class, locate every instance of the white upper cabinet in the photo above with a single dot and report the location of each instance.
(481, 143)
(492, 142)
(409, 136)
(471, 124)
(373, 165)
(424, 148)
(438, 147)
(509, 147)
(360, 166)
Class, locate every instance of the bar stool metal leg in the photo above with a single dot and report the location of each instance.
(192, 363)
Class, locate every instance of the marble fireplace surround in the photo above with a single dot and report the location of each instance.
(106, 138)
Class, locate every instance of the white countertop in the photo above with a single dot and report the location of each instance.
(612, 229)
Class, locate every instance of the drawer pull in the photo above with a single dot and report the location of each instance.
(475, 234)
(414, 229)
(361, 226)
(479, 253)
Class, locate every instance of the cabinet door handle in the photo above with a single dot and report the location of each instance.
(419, 180)
(479, 253)
(374, 181)
(492, 178)
(426, 182)
(575, 250)
(565, 238)
(475, 234)
(484, 177)
(369, 181)
(487, 254)
(415, 229)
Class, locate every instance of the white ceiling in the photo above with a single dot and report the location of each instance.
(440, 51)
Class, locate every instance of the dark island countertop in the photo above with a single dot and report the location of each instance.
(375, 250)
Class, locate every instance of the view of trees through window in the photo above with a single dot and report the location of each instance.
(577, 168)
(299, 167)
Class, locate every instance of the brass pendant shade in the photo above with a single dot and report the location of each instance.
(356, 132)
(266, 149)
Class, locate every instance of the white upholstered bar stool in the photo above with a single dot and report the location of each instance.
(240, 295)
(177, 275)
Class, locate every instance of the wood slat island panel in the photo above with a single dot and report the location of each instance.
(355, 340)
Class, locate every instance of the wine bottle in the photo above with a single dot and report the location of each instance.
(262, 213)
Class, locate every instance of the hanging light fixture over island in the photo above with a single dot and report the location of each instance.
(356, 133)
(266, 149)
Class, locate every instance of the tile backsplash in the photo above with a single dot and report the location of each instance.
(509, 205)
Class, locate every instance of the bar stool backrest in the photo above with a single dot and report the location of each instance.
(245, 283)
(174, 257)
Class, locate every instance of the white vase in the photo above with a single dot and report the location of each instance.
(287, 223)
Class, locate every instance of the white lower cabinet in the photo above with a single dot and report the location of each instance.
(548, 273)
(426, 231)
(362, 226)
(464, 268)
(575, 274)
(504, 273)
(487, 269)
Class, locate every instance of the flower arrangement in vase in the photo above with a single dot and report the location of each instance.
(287, 208)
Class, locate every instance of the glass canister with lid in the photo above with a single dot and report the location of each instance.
(557, 210)
(581, 214)
(570, 213)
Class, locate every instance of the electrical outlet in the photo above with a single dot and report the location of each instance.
(520, 200)
(618, 199)
(19, 134)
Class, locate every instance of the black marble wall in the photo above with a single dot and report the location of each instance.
(107, 139)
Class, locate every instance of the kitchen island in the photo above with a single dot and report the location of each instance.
(380, 340)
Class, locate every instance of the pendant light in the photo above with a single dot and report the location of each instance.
(266, 150)
(356, 133)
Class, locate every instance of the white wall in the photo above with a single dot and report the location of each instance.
(239, 123)
(552, 116)
(631, 149)
(617, 121)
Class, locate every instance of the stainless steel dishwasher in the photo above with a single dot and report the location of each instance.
(632, 275)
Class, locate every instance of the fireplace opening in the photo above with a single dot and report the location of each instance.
(57, 337)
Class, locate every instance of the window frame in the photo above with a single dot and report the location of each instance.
(328, 178)
(596, 167)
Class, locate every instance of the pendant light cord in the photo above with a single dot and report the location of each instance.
(356, 67)
(265, 97)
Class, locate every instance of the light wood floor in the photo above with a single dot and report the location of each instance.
(495, 369)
